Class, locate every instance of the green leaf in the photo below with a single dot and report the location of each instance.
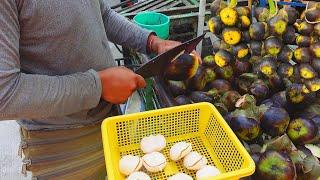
(315, 150)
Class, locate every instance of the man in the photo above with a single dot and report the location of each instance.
(57, 75)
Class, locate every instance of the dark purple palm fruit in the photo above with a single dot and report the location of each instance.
(280, 101)
(229, 99)
(182, 100)
(275, 83)
(225, 72)
(241, 67)
(275, 165)
(302, 131)
(267, 66)
(259, 90)
(176, 87)
(245, 125)
(298, 96)
(274, 121)
(199, 96)
(285, 70)
(220, 84)
(244, 81)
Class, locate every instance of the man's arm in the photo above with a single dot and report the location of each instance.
(123, 32)
(38, 96)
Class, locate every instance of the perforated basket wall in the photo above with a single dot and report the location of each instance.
(200, 124)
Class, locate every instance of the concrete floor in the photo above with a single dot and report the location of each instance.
(10, 162)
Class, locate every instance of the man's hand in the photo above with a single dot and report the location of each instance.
(159, 46)
(118, 84)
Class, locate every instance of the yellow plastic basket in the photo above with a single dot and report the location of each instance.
(200, 124)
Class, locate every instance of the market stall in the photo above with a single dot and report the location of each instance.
(260, 69)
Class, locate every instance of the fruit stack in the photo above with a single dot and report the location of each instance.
(263, 77)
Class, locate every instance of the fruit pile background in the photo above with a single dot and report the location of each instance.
(262, 76)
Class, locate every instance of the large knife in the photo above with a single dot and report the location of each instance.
(157, 65)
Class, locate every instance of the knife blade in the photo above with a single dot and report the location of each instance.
(157, 65)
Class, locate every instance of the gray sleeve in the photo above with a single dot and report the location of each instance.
(37, 96)
(121, 31)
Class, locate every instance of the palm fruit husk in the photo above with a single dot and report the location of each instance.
(182, 68)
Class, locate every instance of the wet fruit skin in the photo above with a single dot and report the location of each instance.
(275, 121)
(301, 130)
(246, 128)
(182, 68)
(275, 165)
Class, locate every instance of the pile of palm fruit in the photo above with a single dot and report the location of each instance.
(263, 78)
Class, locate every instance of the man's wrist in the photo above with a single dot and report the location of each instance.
(151, 48)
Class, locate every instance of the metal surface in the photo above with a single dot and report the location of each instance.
(157, 65)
